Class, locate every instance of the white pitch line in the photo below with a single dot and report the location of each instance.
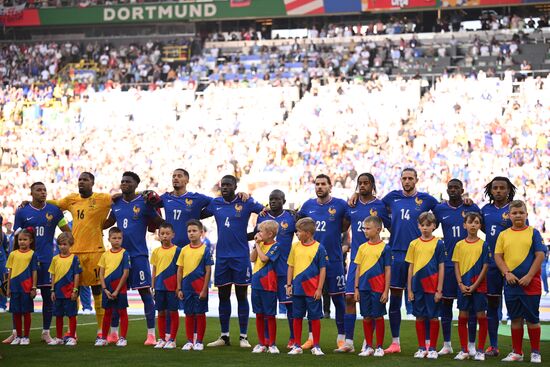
(83, 324)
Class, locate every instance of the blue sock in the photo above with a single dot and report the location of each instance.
(243, 310)
(340, 307)
(115, 319)
(472, 326)
(446, 320)
(149, 309)
(349, 325)
(492, 325)
(395, 315)
(290, 318)
(47, 307)
(225, 313)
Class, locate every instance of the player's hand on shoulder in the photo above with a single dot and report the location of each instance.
(151, 197)
(352, 201)
(23, 204)
(243, 196)
(116, 197)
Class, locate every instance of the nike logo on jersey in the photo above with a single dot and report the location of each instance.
(218, 208)
(116, 210)
(486, 215)
(353, 211)
(169, 201)
(29, 218)
(445, 217)
(311, 211)
(394, 200)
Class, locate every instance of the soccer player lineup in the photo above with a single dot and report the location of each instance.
(297, 260)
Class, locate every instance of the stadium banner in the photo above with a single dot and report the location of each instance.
(468, 3)
(203, 10)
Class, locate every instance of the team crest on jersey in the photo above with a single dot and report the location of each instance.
(238, 210)
(284, 225)
(418, 202)
(49, 217)
(91, 203)
(332, 213)
(188, 204)
(373, 212)
(136, 211)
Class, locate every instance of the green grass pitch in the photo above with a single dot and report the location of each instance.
(136, 354)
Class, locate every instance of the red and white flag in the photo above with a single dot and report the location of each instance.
(304, 7)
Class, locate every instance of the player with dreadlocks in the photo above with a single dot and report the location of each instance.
(500, 192)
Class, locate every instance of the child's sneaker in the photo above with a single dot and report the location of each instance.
(295, 350)
(421, 353)
(274, 350)
(71, 342)
(16, 341)
(536, 358)
(25, 341)
(122, 342)
(112, 337)
(461, 356)
(170, 344)
(56, 341)
(479, 356)
(187, 346)
(316, 351)
(100, 342)
(290, 344)
(393, 348)
(259, 349)
(379, 352)
(447, 349)
(198, 347)
(160, 344)
(513, 357)
(367, 352)
(432, 354)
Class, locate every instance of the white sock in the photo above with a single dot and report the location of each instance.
(99, 331)
(471, 346)
(310, 336)
(244, 336)
(349, 341)
(46, 331)
(364, 346)
(340, 337)
(151, 331)
(167, 336)
(225, 334)
(395, 340)
(447, 344)
(114, 329)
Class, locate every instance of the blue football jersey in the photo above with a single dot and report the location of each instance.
(178, 210)
(232, 222)
(328, 219)
(132, 218)
(452, 223)
(44, 221)
(357, 215)
(287, 227)
(405, 211)
(495, 220)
